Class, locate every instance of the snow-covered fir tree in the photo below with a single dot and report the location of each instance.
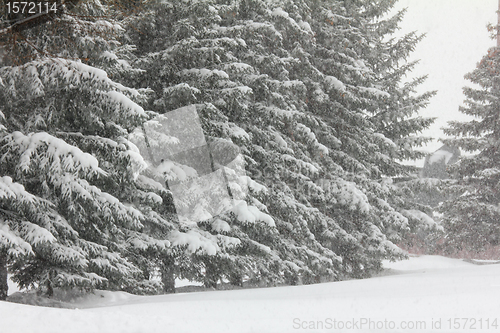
(73, 211)
(300, 111)
(471, 216)
(312, 94)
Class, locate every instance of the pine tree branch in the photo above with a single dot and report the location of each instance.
(12, 215)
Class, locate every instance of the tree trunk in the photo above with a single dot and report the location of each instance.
(236, 279)
(50, 290)
(4, 286)
(211, 275)
(291, 278)
(167, 275)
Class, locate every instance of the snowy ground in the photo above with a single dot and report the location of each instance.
(423, 294)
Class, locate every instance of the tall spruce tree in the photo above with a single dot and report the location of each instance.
(471, 216)
(73, 211)
(309, 92)
(312, 94)
(77, 208)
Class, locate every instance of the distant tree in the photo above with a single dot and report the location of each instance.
(471, 218)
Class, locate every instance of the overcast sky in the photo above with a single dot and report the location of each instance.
(456, 41)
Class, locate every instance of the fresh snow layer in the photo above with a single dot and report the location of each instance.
(420, 291)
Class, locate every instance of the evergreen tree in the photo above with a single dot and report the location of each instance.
(471, 216)
(301, 113)
(311, 93)
(73, 211)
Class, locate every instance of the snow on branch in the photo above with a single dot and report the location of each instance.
(38, 77)
(311, 137)
(195, 242)
(104, 203)
(238, 68)
(151, 184)
(227, 242)
(12, 190)
(335, 83)
(144, 242)
(251, 214)
(65, 278)
(274, 111)
(374, 91)
(124, 212)
(68, 256)
(93, 249)
(118, 98)
(348, 194)
(15, 245)
(312, 168)
(71, 71)
(427, 222)
(204, 73)
(384, 140)
(113, 262)
(301, 26)
(181, 88)
(35, 234)
(59, 156)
